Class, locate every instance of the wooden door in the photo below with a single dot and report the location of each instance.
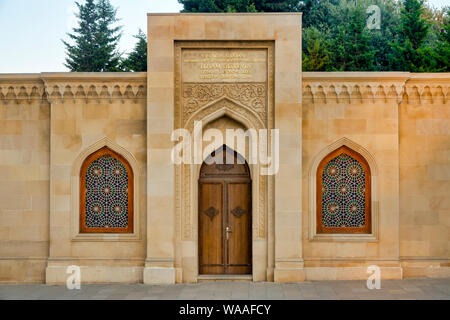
(225, 225)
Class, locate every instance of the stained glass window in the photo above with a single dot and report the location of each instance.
(106, 189)
(343, 193)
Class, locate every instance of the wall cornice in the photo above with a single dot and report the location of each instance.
(71, 87)
(359, 87)
(318, 87)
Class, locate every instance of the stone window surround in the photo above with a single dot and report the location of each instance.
(75, 198)
(313, 235)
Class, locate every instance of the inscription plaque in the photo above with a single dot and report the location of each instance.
(224, 65)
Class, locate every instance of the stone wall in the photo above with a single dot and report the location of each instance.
(399, 121)
(24, 183)
(424, 132)
(50, 122)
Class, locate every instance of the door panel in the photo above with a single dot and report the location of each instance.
(211, 218)
(225, 205)
(239, 222)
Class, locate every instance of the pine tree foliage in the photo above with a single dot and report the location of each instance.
(351, 46)
(408, 53)
(108, 36)
(443, 45)
(94, 43)
(240, 5)
(137, 59)
(413, 36)
(80, 57)
(316, 56)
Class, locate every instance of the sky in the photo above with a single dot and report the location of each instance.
(31, 30)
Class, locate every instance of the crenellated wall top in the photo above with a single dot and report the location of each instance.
(359, 87)
(62, 87)
(318, 87)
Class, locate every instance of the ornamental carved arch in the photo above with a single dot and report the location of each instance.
(106, 193)
(123, 157)
(226, 107)
(344, 145)
(187, 176)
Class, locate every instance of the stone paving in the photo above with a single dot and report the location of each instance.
(336, 290)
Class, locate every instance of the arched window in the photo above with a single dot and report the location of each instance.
(106, 193)
(343, 193)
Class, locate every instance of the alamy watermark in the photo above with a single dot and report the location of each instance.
(260, 146)
(374, 280)
(374, 20)
(74, 279)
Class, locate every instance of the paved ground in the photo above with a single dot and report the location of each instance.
(390, 289)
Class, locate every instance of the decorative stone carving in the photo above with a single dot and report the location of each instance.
(95, 92)
(21, 93)
(227, 105)
(197, 95)
(250, 102)
(65, 87)
(327, 87)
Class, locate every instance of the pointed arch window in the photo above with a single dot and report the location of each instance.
(343, 193)
(106, 193)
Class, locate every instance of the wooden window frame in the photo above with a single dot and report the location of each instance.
(367, 229)
(87, 162)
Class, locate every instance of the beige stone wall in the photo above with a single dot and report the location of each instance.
(24, 182)
(399, 122)
(89, 111)
(282, 259)
(424, 131)
(49, 124)
(354, 108)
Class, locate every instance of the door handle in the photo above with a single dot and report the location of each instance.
(227, 231)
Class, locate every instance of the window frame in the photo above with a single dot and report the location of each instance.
(86, 163)
(367, 229)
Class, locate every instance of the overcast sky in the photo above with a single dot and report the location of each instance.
(31, 30)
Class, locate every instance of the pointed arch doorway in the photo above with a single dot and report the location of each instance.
(225, 215)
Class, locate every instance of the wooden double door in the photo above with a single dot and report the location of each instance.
(225, 218)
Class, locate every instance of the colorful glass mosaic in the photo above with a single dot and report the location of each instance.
(106, 194)
(343, 193)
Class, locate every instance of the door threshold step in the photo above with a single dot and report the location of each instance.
(224, 277)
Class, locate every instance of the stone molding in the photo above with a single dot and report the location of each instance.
(359, 87)
(248, 103)
(314, 164)
(318, 87)
(75, 194)
(73, 87)
(197, 95)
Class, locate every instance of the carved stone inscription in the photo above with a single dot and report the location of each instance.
(210, 76)
(224, 65)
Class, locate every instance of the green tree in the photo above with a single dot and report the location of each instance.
(95, 40)
(137, 59)
(409, 54)
(380, 39)
(351, 42)
(335, 35)
(318, 13)
(316, 56)
(80, 57)
(240, 5)
(108, 37)
(442, 49)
